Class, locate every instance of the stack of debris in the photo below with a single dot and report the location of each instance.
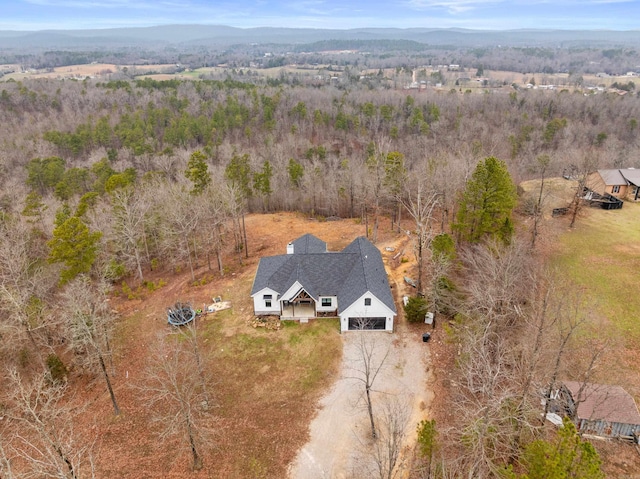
(267, 322)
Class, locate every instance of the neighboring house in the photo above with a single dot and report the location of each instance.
(621, 183)
(597, 409)
(310, 281)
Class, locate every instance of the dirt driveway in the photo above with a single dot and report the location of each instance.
(342, 423)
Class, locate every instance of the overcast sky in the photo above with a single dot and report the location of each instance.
(342, 14)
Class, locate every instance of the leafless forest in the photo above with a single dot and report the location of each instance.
(106, 180)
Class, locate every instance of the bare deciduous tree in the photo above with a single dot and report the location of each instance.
(177, 393)
(379, 457)
(581, 174)
(543, 164)
(130, 207)
(6, 470)
(370, 360)
(216, 212)
(421, 201)
(181, 221)
(89, 322)
(44, 441)
(23, 285)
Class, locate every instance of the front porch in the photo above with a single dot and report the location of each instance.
(300, 307)
(298, 310)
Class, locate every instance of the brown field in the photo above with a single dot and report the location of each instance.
(83, 71)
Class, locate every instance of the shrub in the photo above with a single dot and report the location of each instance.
(115, 271)
(57, 369)
(24, 357)
(416, 309)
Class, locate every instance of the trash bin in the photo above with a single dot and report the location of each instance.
(426, 337)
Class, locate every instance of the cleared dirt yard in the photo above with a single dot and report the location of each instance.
(267, 386)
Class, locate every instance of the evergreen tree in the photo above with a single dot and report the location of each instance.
(296, 172)
(34, 207)
(74, 245)
(486, 204)
(443, 247)
(198, 172)
(262, 182)
(238, 172)
(565, 457)
(45, 174)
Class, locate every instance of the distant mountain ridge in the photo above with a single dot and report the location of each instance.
(209, 35)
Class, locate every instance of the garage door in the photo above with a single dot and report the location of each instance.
(367, 323)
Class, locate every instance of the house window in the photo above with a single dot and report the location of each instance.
(267, 300)
(367, 301)
(326, 302)
(616, 189)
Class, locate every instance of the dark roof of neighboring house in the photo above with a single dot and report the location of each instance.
(347, 274)
(623, 176)
(603, 402)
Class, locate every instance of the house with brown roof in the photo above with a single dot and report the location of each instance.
(597, 409)
(622, 183)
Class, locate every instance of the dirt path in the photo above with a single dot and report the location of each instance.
(342, 422)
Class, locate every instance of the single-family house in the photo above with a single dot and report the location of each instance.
(310, 281)
(597, 409)
(622, 183)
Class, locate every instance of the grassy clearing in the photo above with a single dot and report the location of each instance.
(602, 256)
(268, 382)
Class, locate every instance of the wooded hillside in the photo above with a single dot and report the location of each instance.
(109, 182)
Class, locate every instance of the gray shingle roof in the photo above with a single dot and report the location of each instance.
(309, 244)
(347, 274)
(368, 275)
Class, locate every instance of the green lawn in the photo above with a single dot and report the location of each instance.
(602, 256)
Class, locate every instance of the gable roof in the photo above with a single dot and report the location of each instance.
(632, 176)
(620, 177)
(367, 275)
(603, 402)
(346, 275)
(309, 244)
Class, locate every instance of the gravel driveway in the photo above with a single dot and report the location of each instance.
(342, 421)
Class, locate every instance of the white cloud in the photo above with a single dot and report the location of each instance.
(112, 4)
(461, 6)
(451, 6)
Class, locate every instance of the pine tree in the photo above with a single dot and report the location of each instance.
(238, 173)
(74, 245)
(567, 456)
(486, 204)
(198, 172)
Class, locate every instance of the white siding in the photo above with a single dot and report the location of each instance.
(332, 307)
(292, 291)
(360, 310)
(260, 301)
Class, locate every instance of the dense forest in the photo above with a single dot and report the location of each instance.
(105, 181)
(294, 147)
